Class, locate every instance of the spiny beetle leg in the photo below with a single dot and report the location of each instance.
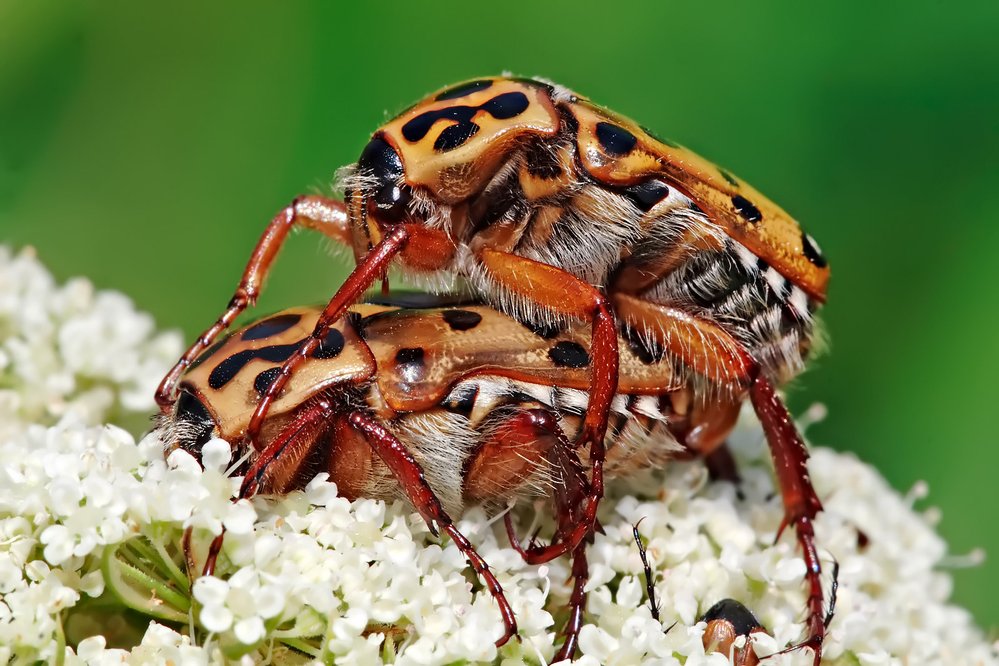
(801, 503)
(564, 293)
(410, 476)
(327, 216)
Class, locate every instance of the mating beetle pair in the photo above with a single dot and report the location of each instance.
(559, 213)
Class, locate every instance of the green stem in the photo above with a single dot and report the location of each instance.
(161, 591)
(302, 646)
(174, 571)
(60, 642)
(156, 555)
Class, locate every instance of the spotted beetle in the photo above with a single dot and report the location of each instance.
(444, 407)
(552, 209)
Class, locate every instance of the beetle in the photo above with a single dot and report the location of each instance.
(726, 621)
(444, 407)
(553, 209)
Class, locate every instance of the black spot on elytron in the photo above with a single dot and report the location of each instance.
(464, 89)
(461, 320)
(264, 380)
(455, 135)
(270, 327)
(223, 373)
(730, 610)
(197, 419)
(568, 354)
(331, 345)
(408, 355)
(463, 402)
(697, 209)
(506, 106)
(208, 353)
(812, 251)
(535, 83)
(761, 264)
(417, 128)
(614, 139)
(410, 364)
(749, 212)
(647, 194)
(665, 142)
(728, 177)
(501, 107)
(546, 331)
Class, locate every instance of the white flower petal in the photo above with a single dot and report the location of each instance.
(216, 454)
(249, 630)
(216, 618)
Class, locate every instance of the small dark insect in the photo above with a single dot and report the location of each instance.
(727, 620)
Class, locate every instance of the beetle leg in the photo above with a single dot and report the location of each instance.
(709, 351)
(722, 466)
(275, 469)
(410, 475)
(359, 280)
(801, 503)
(650, 584)
(700, 345)
(419, 245)
(537, 429)
(327, 216)
(577, 604)
(564, 293)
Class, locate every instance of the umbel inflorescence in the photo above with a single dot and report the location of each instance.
(91, 520)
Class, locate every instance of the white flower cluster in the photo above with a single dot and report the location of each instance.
(72, 350)
(92, 569)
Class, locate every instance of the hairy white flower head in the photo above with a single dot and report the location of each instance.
(91, 523)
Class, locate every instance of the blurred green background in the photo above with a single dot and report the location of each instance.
(146, 145)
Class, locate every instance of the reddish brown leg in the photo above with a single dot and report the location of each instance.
(722, 466)
(420, 247)
(564, 293)
(711, 352)
(326, 216)
(801, 504)
(571, 491)
(701, 345)
(189, 554)
(362, 277)
(274, 470)
(410, 476)
(577, 603)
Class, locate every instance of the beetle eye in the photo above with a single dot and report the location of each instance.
(382, 164)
